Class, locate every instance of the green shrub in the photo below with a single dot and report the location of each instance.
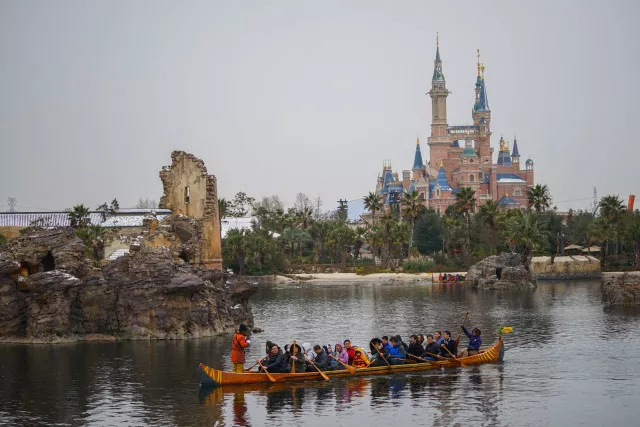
(418, 265)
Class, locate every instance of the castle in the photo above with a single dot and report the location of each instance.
(460, 156)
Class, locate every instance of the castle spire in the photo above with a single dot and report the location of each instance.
(478, 50)
(417, 159)
(515, 152)
(483, 101)
(437, 64)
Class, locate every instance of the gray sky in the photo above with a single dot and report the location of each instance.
(280, 97)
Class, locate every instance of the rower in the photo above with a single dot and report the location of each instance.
(358, 360)
(397, 353)
(449, 344)
(475, 342)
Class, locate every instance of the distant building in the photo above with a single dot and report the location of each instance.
(460, 156)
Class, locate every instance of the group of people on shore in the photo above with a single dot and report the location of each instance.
(383, 352)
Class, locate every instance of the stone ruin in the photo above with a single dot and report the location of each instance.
(164, 288)
(504, 271)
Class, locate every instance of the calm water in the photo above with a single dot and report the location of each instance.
(568, 362)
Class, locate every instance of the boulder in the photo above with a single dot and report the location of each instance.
(504, 271)
(622, 290)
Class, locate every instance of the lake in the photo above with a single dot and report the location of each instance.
(567, 362)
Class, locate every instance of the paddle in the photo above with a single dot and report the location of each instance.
(452, 356)
(460, 333)
(293, 365)
(255, 364)
(380, 354)
(317, 369)
(420, 358)
(273, 380)
(349, 368)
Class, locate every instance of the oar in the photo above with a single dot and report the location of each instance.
(255, 364)
(460, 333)
(420, 358)
(293, 365)
(349, 368)
(317, 369)
(273, 380)
(453, 357)
(380, 354)
(438, 356)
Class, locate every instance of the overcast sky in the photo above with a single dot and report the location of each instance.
(280, 97)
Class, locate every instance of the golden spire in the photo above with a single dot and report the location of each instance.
(478, 62)
(437, 40)
(441, 163)
(417, 139)
(482, 69)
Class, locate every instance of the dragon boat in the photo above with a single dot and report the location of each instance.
(211, 377)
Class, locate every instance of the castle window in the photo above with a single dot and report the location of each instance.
(187, 194)
(480, 175)
(438, 192)
(471, 178)
(517, 192)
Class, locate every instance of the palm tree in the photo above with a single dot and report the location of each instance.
(524, 231)
(388, 221)
(341, 237)
(373, 204)
(466, 204)
(304, 217)
(539, 197)
(412, 206)
(488, 215)
(79, 216)
(611, 212)
(359, 236)
(236, 244)
(632, 234)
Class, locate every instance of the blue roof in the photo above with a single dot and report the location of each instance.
(441, 180)
(417, 159)
(515, 152)
(504, 159)
(437, 67)
(500, 176)
(483, 104)
(507, 201)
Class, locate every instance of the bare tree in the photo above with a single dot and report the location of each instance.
(146, 204)
(302, 202)
(317, 205)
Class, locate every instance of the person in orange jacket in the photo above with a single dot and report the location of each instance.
(239, 343)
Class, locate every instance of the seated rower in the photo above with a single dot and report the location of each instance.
(358, 360)
(386, 343)
(275, 362)
(321, 360)
(378, 353)
(474, 342)
(448, 344)
(297, 358)
(414, 347)
(397, 354)
(341, 355)
(430, 348)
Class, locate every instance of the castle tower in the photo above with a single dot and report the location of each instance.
(482, 116)
(515, 154)
(438, 141)
(418, 165)
(504, 158)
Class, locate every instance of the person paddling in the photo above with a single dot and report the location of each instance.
(448, 343)
(475, 342)
(238, 345)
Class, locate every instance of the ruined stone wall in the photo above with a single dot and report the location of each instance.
(190, 191)
(565, 268)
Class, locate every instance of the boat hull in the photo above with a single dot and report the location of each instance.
(211, 377)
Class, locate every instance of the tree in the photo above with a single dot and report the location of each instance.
(115, 206)
(341, 238)
(93, 237)
(79, 216)
(223, 208)
(488, 215)
(235, 249)
(387, 221)
(304, 217)
(241, 205)
(632, 235)
(611, 212)
(359, 237)
(319, 232)
(302, 202)
(539, 198)
(428, 232)
(146, 204)
(373, 204)
(466, 204)
(524, 231)
(412, 206)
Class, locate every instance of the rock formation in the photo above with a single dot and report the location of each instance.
(504, 271)
(50, 291)
(622, 290)
(565, 267)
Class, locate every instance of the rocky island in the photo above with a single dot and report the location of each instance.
(166, 287)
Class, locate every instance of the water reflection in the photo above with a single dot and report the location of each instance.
(569, 361)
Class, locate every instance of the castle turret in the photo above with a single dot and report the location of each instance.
(515, 154)
(418, 165)
(504, 158)
(439, 141)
